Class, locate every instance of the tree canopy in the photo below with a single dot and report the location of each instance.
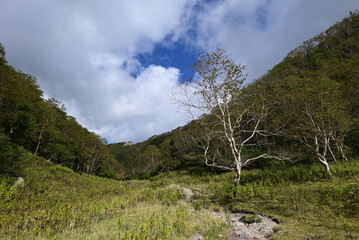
(42, 127)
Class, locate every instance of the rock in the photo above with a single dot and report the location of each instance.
(188, 194)
(197, 236)
(20, 182)
(220, 236)
(129, 143)
(262, 228)
(240, 224)
(244, 235)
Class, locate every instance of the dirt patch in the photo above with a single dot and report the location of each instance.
(250, 226)
(244, 225)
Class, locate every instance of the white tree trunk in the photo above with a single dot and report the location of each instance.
(326, 165)
(237, 174)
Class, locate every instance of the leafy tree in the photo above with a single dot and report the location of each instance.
(316, 88)
(316, 115)
(235, 116)
(2, 55)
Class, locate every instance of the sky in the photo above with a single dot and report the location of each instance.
(113, 63)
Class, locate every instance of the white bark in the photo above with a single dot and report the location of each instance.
(235, 123)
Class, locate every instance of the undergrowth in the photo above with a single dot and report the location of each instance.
(307, 200)
(57, 203)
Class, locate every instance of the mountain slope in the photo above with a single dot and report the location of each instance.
(41, 126)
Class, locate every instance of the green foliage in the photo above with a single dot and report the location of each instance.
(2, 55)
(303, 197)
(319, 78)
(158, 154)
(42, 127)
(252, 218)
(315, 89)
(54, 198)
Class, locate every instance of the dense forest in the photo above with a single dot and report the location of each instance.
(30, 123)
(311, 102)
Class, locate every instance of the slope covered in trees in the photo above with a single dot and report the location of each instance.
(312, 107)
(315, 89)
(30, 123)
(159, 154)
(310, 100)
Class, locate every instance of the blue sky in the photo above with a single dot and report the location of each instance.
(176, 54)
(114, 63)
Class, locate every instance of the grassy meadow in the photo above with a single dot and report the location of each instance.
(56, 203)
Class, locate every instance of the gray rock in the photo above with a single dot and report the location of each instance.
(197, 236)
(262, 228)
(20, 182)
(240, 224)
(244, 235)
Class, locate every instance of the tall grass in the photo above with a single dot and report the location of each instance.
(56, 202)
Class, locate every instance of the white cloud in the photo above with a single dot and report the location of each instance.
(236, 26)
(140, 105)
(84, 52)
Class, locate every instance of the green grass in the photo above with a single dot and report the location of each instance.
(56, 203)
(307, 200)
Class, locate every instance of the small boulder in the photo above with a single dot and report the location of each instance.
(240, 224)
(197, 237)
(20, 182)
(244, 235)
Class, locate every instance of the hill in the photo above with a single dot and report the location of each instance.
(49, 188)
(323, 70)
(41, 126)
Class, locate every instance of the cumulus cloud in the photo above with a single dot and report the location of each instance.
(140, 105)
(84, 52)
(259, 33)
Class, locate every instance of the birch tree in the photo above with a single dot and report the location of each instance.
(234, 117)
(316, 115)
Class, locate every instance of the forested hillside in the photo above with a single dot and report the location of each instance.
(30, 123)
(315, 91)
(290, 138)
(160, 154)
(312, 105)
